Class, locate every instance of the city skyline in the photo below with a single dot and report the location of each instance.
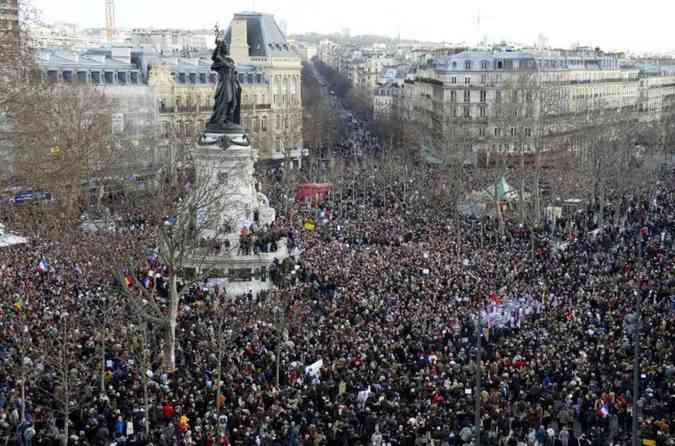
(620, 28)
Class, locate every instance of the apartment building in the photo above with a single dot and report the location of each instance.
(499, 98)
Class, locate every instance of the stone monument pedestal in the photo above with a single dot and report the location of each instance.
(224, 162)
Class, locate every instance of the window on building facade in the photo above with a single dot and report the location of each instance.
(96, 77)
(467, 112)
(481, 131)
(122, 78)
(483, 78)
(67, 76)
(483, 96)
(193, 78)
(528, 131)
(453, 80)
(256, 124)
(108, 76)
(513, 131)
(82, 77)
(498, 131)
(181, 78)
(500, 65)
(467, 80)
(483, 111)
(467, 65)
(202, 78)
(484, 65)
(264, 124)
(133, 78)
(453, 96)
(453, 111)
(467, 96)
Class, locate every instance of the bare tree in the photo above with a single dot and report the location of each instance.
(186, 213)
(62, 138)
(60, 375)
(140, 348)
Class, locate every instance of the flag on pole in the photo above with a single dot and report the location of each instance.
(43, 266)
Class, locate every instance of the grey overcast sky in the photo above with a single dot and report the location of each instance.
(611, 24)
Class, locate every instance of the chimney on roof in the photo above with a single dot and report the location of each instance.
(239, 40)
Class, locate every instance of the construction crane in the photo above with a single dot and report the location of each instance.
(109, 19)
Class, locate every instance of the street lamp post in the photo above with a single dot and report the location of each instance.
(636, 367)
(478, 377)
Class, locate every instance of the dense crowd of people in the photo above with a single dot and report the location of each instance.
(371, 338)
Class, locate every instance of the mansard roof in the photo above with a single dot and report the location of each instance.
(264, 37)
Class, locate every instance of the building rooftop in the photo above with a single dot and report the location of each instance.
(485, 60)
(264, 36)
(91, 59)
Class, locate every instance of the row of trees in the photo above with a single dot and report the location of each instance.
(587, 148)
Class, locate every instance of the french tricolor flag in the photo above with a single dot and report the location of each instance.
(43, 266)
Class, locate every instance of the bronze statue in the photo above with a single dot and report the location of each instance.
(227, 107)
